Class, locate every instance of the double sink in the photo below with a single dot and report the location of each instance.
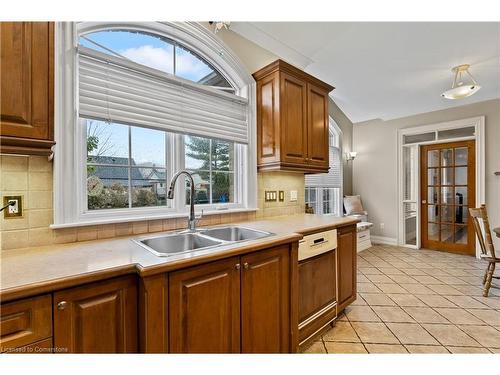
(203, 239)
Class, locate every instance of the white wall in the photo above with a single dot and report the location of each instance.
(375, 167)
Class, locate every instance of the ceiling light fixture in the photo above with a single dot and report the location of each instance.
(220, 25)
(459, 90)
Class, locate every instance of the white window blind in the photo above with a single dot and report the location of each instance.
(334, 176)
(118, 90)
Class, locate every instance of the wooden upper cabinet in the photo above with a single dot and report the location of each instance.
(292, 119)
(97, 318)
(294, 114)
(347, 274)
(317, 126)
(27, 87)
(204, 308)
(266, 302)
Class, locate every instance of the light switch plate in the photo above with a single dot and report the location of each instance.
(271, 196)
(281, 195)
(13, 211)
(293, 196)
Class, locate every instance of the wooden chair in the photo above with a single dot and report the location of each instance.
(482, 228)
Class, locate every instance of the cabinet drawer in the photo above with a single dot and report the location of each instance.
(364, 235)
(25, 322)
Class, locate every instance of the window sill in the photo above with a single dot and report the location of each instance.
(128, 219)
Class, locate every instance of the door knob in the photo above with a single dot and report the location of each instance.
(424, 202)
(245, 265)
(62, 305)
(237, 266)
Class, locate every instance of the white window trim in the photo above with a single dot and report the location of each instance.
(479, 124)
(319, 200)
(70, 151)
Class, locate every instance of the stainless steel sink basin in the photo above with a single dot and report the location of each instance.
(186, 242)
(235, 233)
(177, 243)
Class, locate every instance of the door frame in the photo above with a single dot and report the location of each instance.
(478, 123)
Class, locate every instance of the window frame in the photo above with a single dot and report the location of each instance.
(70, 134)
(336, 133)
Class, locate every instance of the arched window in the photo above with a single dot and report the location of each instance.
(324, 191)
(151, 99)
(157, 52)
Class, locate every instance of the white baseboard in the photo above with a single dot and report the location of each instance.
(384, 240)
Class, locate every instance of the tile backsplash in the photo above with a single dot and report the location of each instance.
(31, 177)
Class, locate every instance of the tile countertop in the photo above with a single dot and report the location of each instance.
(35, 270)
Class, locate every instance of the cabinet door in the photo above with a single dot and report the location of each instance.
(265, 301)
(293, 107)
(204, 308)
(268, 120)
(317, 127)
(317, 284)
(346, 260)
(26, 63)
(97, 318)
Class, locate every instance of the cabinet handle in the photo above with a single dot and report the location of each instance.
(237, 266)
(62, 305)
(245, 265)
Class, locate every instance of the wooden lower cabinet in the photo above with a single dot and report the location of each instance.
(347, 270)
(239, 304)
(25, 322)
(265, 301)
(205, 308)
(317, 293)
(99, 317)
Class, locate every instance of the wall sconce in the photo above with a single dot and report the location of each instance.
(351, 155)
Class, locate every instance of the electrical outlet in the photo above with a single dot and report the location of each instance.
(293, 196)
(15, 210)
(281, 196)
(271, 196)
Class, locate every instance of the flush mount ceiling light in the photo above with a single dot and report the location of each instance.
(460, 90)
(220, 25)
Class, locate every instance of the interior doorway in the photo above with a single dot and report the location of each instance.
(447, 188)
(412, 191)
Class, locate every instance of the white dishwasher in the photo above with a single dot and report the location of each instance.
(317, 282)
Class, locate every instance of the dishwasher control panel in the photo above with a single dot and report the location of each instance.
(318, 243)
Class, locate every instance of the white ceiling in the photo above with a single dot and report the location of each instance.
(386, 70)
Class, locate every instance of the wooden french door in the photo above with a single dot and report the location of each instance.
(447, 191)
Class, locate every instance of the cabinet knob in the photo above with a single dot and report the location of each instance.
(62, 305)
(245, 265)
(237, 266)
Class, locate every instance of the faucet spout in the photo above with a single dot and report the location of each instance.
(170, 195)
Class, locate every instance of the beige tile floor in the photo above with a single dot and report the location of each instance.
(416, 301)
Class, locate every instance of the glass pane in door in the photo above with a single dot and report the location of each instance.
(432, 196)
(461, 156)
(447, 195)
(446, 176)
(433, 232)
(461, 234)
(447, 233)
(433, 158)
(446, 157)
(447, 213)
(461, 195)
(461, 176)
(433, 176)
